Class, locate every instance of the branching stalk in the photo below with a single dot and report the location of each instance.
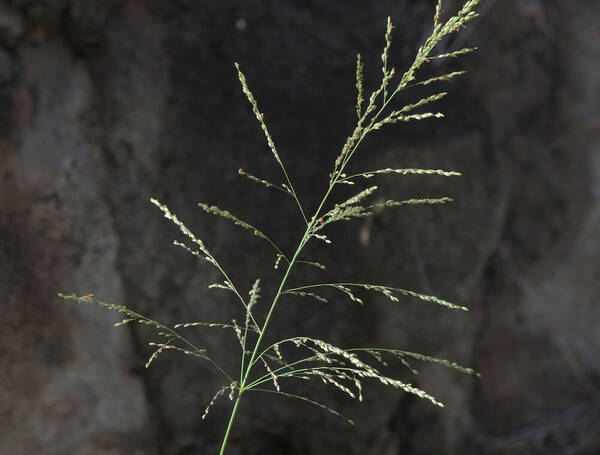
(333, 365)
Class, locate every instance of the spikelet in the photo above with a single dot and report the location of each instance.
(125, 321)
(322, 237)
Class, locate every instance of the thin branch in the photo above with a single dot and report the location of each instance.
(308, 400)
(386, 290)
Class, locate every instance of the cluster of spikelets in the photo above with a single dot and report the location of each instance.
(343, 368)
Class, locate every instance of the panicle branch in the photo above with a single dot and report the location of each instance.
(342, 368)
(254, 296)
(163, 330)
(359, 85)
(364, 127)
(288, 187)
(163, 346)
(264, 182)
(209, 324)
(171, 216)
(370, 174)
(307, 400)
(455, 54)
(232, 387)
(389, 292)
(213, 209)
(259, 115)
(429, 201)
(308, 294)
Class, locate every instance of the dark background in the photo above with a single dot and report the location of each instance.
(104, 104)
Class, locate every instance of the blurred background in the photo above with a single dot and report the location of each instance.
(106, 103)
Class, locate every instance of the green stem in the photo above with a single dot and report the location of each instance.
(303, 241)
(294, 195)
(253, 358)
(305, 238)
(182, 338)
(273, 305)
(230, 424)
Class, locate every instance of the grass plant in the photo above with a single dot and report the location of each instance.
(266, 368)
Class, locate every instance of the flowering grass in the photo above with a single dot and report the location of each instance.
(267, 369)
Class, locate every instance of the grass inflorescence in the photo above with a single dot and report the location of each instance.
(267, 369)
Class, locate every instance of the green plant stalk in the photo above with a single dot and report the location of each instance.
(253, 358)
(230, 424)
(370, 118)
(305, 238)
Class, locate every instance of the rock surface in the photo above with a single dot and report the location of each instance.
(106, 104)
